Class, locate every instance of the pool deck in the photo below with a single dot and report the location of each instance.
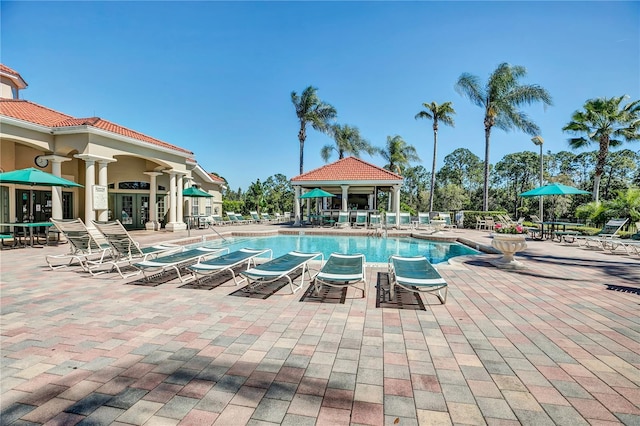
(555, 343)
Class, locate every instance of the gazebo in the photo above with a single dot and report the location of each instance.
(354, 184)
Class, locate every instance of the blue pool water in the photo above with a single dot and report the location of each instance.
(375, 249)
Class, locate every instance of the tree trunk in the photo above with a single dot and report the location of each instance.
(600, 163)
(485, 192)
(433, 169)
(301, 138)
(596, 188)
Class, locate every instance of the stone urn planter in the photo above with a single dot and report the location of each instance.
(509, 245)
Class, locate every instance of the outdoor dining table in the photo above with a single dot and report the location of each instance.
(551, 228)
(27, 225)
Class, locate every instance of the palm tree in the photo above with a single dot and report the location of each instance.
(606, 123)
(398, 154)
(501, 97)
(347, 141)
(437, 113)
(310, 109)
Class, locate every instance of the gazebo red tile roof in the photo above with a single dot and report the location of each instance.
(348, 169)
(13, 75)
(38, 114)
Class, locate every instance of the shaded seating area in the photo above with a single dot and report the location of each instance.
(83, 246)
(175, 262)
(125, 250)
(282, 267)
(416, 274)
(342, 270)
(227, 262)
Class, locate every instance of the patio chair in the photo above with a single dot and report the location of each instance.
(405, 220)
(424, 221)
(390, 220)
(176, 262)
(489, 223)
(343, 220)
(256, 217)
(281, 267)
(606, 235)
(481, 222)
(448, 224)
(416, 274)
(227, 262)
(218, 220)
(83, 245)
(361, 219)
(342, 270)
(125, 250)
(374, 221)
(266, 217)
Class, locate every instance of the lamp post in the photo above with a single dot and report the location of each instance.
(539, 141)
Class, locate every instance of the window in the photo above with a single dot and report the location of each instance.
(207, 207)
(134, 185)
(195, 207)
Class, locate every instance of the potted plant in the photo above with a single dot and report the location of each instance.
(509, 239)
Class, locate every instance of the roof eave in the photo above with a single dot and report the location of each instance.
(25, 124)
(70, 130)
(369, 182)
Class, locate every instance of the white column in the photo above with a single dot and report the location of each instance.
(153, 224)
(89, 181)
(345, 193)
(396, 203)
(175, 200)
(296, 205)
(103, 215)
(56, 191)
(180, 203)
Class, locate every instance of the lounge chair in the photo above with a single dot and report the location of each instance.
(266, 217)
(176, 262)
(342, 270)
(405, 220)
(125, 250)
(630, 245)
(227, 262)
(361, 219)
(424, 221)
(606, 235)
(281, 267)
(390, 220)
(448, 224)
(256, 217)
(83, 245)
(415, 274)
(343, 220)
(374, 221)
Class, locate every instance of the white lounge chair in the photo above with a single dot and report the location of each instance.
(605, 236)
(415, 274)
(176, 262)
(282, 267)
(342, 270)
(227, 262)
(83, 246)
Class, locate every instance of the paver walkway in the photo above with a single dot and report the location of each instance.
(557, 343)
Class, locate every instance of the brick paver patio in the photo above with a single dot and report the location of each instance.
(556, 343)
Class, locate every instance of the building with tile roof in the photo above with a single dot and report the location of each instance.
(354, 184)
(143, 176)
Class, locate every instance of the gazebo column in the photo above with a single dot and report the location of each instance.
(153, 224)
(296, 206)
(103, 180)
(396, 202)
(345, 194)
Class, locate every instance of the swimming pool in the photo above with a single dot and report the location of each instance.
(375, 249)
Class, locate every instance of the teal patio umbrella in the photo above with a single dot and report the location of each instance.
(553, 189)
(34, 177)
(317, 193)
(194, 192)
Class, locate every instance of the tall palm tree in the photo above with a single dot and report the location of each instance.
(398, 154)
(606, 123)
(347, 142)
(437, 113)
(311, 110)
(501, 97)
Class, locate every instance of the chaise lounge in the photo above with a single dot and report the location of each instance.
(342, 270)
(281, 267)
(227, 262)
(415, 274)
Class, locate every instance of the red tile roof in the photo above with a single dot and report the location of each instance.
(37, 114)
(216, 178)
(13, 75)
(347, 169)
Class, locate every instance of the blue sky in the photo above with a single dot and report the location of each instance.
(217, 77)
